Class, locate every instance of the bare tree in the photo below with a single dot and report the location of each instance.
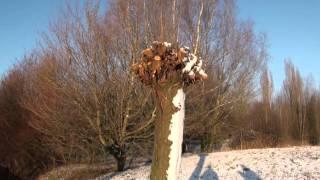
(21, 149)
(266, 85)
(235, 55)
(168, 71)
(294, 94)
(95, 103)
(313, 120)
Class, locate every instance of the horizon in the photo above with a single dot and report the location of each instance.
(290, 35)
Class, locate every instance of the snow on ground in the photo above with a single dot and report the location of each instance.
(273, 163)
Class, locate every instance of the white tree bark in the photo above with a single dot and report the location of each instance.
(176, 135)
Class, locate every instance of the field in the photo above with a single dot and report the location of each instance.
(272, 163)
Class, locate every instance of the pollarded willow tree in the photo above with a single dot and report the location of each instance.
(168, 71)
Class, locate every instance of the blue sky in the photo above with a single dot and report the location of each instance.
(293, 31)
(291, 25)
(21, 24)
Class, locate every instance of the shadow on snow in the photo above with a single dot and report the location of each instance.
(208, 174)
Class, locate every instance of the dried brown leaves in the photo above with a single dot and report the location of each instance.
(159, 62)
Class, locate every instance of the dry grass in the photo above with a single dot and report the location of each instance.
(78, 172)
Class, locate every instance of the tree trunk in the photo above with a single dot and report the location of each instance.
(206, 144)
(121, 162)
(168, 131)
(119, 153)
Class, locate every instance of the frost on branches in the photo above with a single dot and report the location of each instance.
(168, 70)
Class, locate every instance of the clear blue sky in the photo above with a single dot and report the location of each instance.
(293, 31)
(21, 23)
(292, 27)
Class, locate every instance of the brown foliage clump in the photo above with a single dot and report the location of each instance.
(159, 62)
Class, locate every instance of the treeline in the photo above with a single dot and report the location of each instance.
(288, 117)
(75, 100)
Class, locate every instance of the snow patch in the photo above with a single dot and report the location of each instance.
(176, 135)
(193, 65)
(168, 45)
(272, 163)
(189, 65)
(203, 74)
(191, 75)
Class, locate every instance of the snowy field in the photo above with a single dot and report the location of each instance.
(273, 163)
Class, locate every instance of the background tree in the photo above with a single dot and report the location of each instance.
(21, 148)
(294, 94)
(266, 84)
(235, 55)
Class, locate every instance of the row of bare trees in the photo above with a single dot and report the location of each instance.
(74, 99)
(300, 104)
(289, 116)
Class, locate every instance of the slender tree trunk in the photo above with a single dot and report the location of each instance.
(168, 131)
(206, 144)
(198, 29)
